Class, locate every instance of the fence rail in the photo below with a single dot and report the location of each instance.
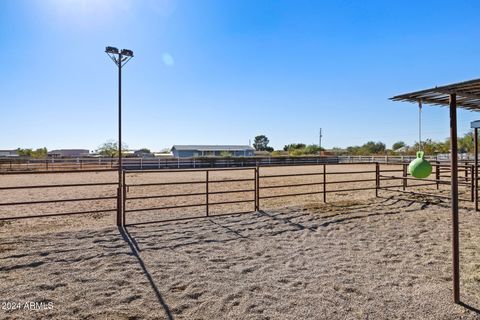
(157, 163)
(24, 164)
(256, 185)
(93, 200)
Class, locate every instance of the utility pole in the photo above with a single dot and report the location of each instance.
(320, 140)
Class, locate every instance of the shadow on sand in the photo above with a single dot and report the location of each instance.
(135, 251)
(469, 307)
(294, 221)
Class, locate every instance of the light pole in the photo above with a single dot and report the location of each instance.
(120, 58)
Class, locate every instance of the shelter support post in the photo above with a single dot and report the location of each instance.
(468, 93)
(454, 197)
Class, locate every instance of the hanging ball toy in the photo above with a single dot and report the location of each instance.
(420, 168)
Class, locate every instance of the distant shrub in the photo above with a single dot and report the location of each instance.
(225, 154)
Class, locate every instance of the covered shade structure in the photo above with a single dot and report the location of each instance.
(465, 95)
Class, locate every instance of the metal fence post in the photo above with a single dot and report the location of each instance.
(404, 185)
(206, 192)
(324, 183)
(437, 173)
(257, 189)
(466, 171)
(124, 198)
(472, 183)
(377, 178)
(119, 206)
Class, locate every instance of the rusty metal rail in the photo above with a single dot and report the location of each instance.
(262, 186)
(207, 182)
(23, 188)
(324, 173)
(466, 181)
(258, 175)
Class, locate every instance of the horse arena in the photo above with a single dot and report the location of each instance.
(359, 241)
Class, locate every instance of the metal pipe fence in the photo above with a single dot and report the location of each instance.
(206, 183)
(206, 189)
(76, 186)
(157, 163)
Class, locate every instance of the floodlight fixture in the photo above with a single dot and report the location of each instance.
(126, 52)
(112, 50)
(120, 58)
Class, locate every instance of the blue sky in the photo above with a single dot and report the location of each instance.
(221, 72)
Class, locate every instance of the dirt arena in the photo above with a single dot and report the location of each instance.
(354, 257)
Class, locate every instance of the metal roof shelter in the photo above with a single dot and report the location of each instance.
(465, 95)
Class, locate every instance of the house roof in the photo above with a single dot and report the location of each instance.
(211, 147)
(9, 153)
(70, 150)
(468, 95)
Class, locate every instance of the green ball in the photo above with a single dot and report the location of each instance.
(420, 168)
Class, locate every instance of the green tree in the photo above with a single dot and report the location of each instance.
(312, 149)
(430, 147)
(374, 147)
(294, 146)
(397, 145)
(299, 149)
(354, 150)
(260, 143)
(465, 143)
(367, 149)
(24, 152)
(110, 149)
(338, 151)
(39, 153)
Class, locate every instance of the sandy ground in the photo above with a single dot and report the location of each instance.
(356, 257)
